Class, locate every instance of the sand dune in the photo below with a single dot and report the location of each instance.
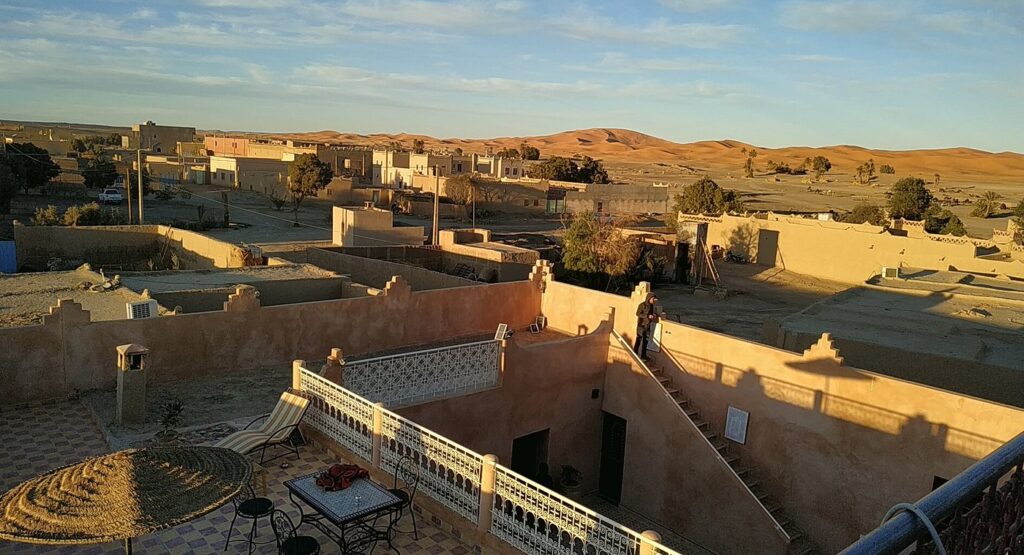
(624, 146)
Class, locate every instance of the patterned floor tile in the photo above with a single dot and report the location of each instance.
(40, 439)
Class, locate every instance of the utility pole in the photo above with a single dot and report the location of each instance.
(437, 203)
(227, 217)
(138, 154)
(472, 193)
(128, 191)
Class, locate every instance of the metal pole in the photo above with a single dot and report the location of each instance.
(437, 204)
(128, 191)
(138, 154)
(472, 191)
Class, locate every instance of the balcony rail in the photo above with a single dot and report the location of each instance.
(975, 512)
(535, 519)
(523, 513)
(410, 378)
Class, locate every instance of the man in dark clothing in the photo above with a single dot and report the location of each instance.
(646, 317)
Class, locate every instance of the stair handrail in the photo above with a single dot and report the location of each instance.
(778, 526)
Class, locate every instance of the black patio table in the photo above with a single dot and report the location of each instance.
(352, 511)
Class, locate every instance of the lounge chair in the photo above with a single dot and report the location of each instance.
(276, 430)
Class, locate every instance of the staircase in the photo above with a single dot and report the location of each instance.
(799, 543)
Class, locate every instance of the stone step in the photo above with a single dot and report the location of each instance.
(701, 424)
(672, 391)
(664, 380)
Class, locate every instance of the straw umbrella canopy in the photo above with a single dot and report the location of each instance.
(122, 495)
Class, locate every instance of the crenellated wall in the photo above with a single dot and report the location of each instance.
(68, 352)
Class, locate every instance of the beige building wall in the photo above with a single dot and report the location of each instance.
(849, 253)
(159, 138)
(371, 227)
(265, 176)
(391, 169)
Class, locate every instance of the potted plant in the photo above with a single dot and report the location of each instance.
(170, 418)
(571, 481)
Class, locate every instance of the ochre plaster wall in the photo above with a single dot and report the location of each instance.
(836, 445)
(376, 273)
(849, 253)
(99, 245)
(543, 386)
(672, 476)
(81, 354)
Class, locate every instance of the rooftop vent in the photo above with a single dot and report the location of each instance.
(142, 309)
(890, 273)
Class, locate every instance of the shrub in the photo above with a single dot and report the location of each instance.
(910, 199)
(866, 214)
(886, 168)
(47, 216)
(705, 197)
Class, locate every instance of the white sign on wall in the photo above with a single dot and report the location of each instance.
(736, 425)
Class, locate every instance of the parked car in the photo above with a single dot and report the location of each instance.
(111, 196)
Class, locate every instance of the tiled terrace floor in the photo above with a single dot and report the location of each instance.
(39, 439)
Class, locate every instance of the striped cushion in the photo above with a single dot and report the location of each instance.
(244, 441)
(276, 428)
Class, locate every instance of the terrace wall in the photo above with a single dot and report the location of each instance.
(376, 273)
(68, 352)
(837, 445)
(848, 253)
(543, 386)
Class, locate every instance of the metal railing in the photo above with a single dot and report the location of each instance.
(732, 472)
(416, 377)
(523, 513)
(535, 519)
(972, 512)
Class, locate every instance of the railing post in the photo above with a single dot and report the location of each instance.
(378, 430)
(487, 474)
(297, 366)
(648, 539)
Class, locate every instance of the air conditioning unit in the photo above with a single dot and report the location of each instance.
(890, 273)
(142, 309)
(255, 252)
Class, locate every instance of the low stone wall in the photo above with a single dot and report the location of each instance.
(68, 352)
(376, 273)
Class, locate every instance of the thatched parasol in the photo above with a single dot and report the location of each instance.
(121, 496)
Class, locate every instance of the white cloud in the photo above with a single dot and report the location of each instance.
(585, 25)
(617, 62)
(813, 58)
(858, 16)
(695, 5)
(459, 14)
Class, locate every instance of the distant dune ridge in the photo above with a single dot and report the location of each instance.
(624, 145)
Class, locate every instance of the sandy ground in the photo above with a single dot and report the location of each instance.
(755, 294)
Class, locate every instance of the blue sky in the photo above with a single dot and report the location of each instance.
(884, 74)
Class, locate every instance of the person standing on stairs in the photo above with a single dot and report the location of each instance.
(646, 318)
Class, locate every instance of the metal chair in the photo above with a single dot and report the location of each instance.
(252, 508)
(408, 473)
(289, 542)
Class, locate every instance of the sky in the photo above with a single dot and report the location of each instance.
(897, 74)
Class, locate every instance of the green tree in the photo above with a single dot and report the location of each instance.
(937, 177)
(78, 145)
(987, 205)
(591, 171)
(940, 221)
(457, 151)
(909, 199)
(954, 226)
(865, 172)
(819, 166)
(1018, 220)
(508, 153)
(705, 197)
(866, 214)
(417, 146)
(886, 168)
(306, 176)
(529, 152)
(99, 173)
(556, 168)
(748, 165)
(597, 249)
(31, 164)
(9, 185)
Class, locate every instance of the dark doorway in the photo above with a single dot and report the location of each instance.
(767, 247)
(613, 457)
(682, 273)
(528, 452)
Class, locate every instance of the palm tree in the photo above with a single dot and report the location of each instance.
(987, 205)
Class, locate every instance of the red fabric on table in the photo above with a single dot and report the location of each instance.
(341, 476)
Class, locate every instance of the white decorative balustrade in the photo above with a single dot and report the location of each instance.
(535, 519)
(411, 378)
(339, 414)
(524, 514)
(449, 472)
